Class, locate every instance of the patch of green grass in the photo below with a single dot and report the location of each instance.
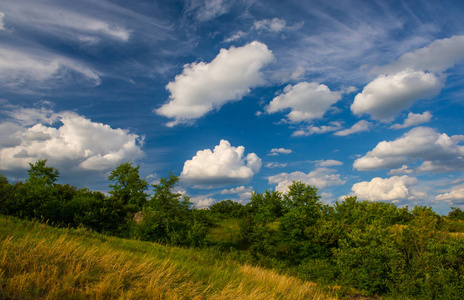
(225, 233)
(455, 225)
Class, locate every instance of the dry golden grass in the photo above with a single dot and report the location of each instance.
(65, 269)
(37, 262)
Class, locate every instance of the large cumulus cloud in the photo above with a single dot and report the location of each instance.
(389, 94)
(203, 87)
(437, 152)
(225, 164)
(305, 100)
(67, 140)
(394, 189)
(414, 76)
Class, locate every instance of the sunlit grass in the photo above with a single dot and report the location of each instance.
(226, 232)
(456, 226)
(40, 262)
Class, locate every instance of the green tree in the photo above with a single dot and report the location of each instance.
(165, 199)
(303, 211)
(267, 207)
(227, 208)
(302, 195)
(36, 197)
(128, 187)
(456, 214)
(5, 194)
(40, 172)
(169, 218)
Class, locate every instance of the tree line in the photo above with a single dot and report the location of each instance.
(376, 247)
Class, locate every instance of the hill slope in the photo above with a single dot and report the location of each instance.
(41, 262)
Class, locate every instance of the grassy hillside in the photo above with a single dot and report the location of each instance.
(41, 262)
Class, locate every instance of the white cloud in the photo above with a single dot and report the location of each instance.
(277, 151)
(310, 130)
(414, 120)
(454, 197)
(272, 165)
(297, 73)
(350, 89)
(403, 170)
(437, 57)
(19, 67)
(306, 100)
(243, 193)
(237, 190)
(203, 87)
(415, 75)
(235, 37)
(74, 143)
(388, 95)
(2, 25)
(394, 189)
(274, 25)
(209, 9)
(153, 179)
(320, 177)
(360, 126)
(61, 21)
(202, 201)
(437, 152)
(329, 163)
(225, 164)
(32, 116)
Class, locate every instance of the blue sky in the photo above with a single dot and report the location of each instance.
(356, 97)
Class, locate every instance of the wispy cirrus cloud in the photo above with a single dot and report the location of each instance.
(64, 21)
(23, 69)
(207, 10)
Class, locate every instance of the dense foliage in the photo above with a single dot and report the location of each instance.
(375, 247)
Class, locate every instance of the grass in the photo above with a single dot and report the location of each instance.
(225, 232)
(41, 262)
(456, 226)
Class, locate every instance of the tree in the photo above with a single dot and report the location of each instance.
(456, 213)
(5, 193)
(168, 217)
(165, 199)
(36, 198)
(267, 207)
(39, 172)
(302, 195)
(227, 208)
(128, 188)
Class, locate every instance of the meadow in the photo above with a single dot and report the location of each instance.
(41, 262)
